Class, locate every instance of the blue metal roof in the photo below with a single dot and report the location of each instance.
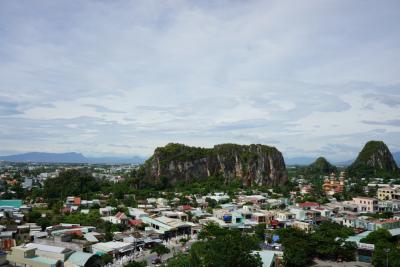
(15, 203)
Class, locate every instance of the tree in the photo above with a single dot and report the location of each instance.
(160, 250)
(329, 241)
(44, 222)
(385, 248)
(297, 247)
(378, 236)
(70, 183)
(106, 259)
(260, 231)
(223, 247)
(180, 260)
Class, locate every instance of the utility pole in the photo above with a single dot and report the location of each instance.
(387, 256)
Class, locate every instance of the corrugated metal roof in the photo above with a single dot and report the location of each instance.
(90, 237)
(47, 248)
(79, 258)
(15, 203)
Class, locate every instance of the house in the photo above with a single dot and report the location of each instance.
(168, 227)
(175, 214)
(219, 197)
(386, 224)
(119, 218)
(10, 205)
(37, 255)
(107, 211)
(299, 214)
(308, 205)
(305, 226)
(366, 204)
(386, 193)
(161, 202)
(23, 255)
(259, 217)
(137, 213)
(114, 248)
(73, 201)
(255, 199)
(284, 216)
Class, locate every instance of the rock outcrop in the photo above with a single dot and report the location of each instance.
(252, 164)
(374, 160)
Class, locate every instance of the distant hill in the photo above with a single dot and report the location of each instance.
(71, 157)
(321, 166)
(374, 160)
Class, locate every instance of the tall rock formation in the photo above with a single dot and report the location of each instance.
(374, 160)
(252, 164)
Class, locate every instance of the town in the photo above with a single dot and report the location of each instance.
(183, 133)
(110, 221)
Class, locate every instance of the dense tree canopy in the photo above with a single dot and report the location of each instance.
(385, 248)
(220, 247)
(327, 242)
(70, 183)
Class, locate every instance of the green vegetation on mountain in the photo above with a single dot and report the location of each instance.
(321, 166)
(374, 160)
(252, 164)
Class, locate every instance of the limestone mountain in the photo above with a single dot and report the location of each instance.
(321, 166)
(252, 164)
(374, 160)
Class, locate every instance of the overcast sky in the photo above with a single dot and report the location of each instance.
(122, 77)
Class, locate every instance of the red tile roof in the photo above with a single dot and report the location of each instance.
(135, 222)
(391, 220)
(77, 201)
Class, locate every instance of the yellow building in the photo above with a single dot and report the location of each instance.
(386, 193)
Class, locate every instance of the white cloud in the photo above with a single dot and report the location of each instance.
(307, 76)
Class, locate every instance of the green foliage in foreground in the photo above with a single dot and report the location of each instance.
(385, 248)
(160, 250)
(220, 247)
(327, 242)
(136, 264)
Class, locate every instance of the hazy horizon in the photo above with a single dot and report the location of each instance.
(312, 78)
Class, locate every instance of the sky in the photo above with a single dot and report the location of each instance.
(123, 77)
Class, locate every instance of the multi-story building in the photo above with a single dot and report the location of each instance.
(366, 204)
(332, 185)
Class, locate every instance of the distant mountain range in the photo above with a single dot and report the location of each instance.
(309, 160)
(71, 157)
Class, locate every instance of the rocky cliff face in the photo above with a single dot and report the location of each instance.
(252, 164)
(375, 159)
